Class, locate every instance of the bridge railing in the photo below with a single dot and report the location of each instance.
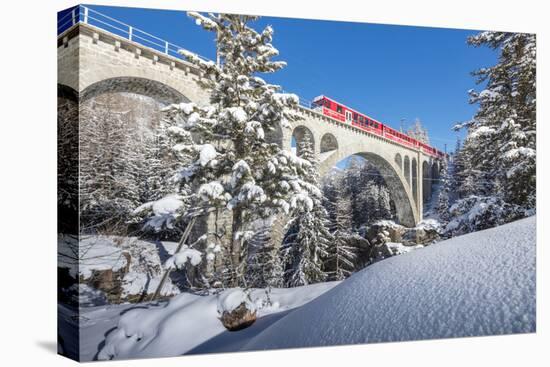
(83, 14)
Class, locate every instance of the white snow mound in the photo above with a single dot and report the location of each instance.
(481, 283)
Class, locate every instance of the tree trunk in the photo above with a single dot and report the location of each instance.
(236, 246)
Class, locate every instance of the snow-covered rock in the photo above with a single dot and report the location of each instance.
(123, 269)
(236, 309)
(478, 284)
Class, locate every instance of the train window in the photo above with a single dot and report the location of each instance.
(339, 109)
(354, 116)
(327, 103)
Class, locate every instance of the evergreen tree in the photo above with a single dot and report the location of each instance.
(67, 165)
(108, 166)
(235, 169)
(501, 143)
(496, 171)
(443, 199)
(341, 256)
(419, 132)
(264, 265)
(305, 246)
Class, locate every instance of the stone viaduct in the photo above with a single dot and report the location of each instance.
(92, 61)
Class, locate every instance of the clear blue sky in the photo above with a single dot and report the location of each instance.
(388, 72)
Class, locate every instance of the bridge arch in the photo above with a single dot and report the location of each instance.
(298, 135)
(407, 169)
(399, 193)
(160, 92)
(328, 143)
(399, 161)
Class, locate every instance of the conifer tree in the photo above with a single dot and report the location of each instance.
(305, 246)
(235, 169)
(443, 199)
(341, 256)
(501, 143)
(419, 132)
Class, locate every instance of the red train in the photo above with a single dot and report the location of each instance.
(340, 112)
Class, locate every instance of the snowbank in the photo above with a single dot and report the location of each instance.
(478, 284)
(188, 321)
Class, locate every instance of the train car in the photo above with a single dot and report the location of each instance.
(342, 113)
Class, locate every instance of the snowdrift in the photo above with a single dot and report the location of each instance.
(190, 323)
(478, 284)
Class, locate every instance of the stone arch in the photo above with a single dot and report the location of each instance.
(67, 93)
(407, 169)
(426, 181)
(414, 179)
(160, 92)
(398, 161)
(298, 135)
(328, 143)
(405, 210)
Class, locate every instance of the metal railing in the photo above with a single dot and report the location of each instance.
(83, 14)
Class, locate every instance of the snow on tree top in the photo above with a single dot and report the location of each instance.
(213, 191)
(481, 131)
(238, 113)
(521, 151)
(207, 153)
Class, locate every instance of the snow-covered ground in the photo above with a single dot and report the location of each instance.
(187, 324)
(481, 283)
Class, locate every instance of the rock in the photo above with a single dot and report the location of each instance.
(238, 319)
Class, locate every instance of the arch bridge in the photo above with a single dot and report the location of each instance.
(93, 61)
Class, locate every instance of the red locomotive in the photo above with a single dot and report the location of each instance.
(340, 112)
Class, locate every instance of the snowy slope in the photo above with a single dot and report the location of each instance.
(188, 324)
(478, 284)
(482, 283)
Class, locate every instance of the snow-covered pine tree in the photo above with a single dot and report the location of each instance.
(305, 246)
(108, 165)
(340, 260)
(443, 198)
(353, 186)
(458, 168)
(164, 198)
(235, 169)
(373, 197)
(419, 132)
(502, 136)
(498, 155)
(67, 165)
(265, 267)
(159, 165)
